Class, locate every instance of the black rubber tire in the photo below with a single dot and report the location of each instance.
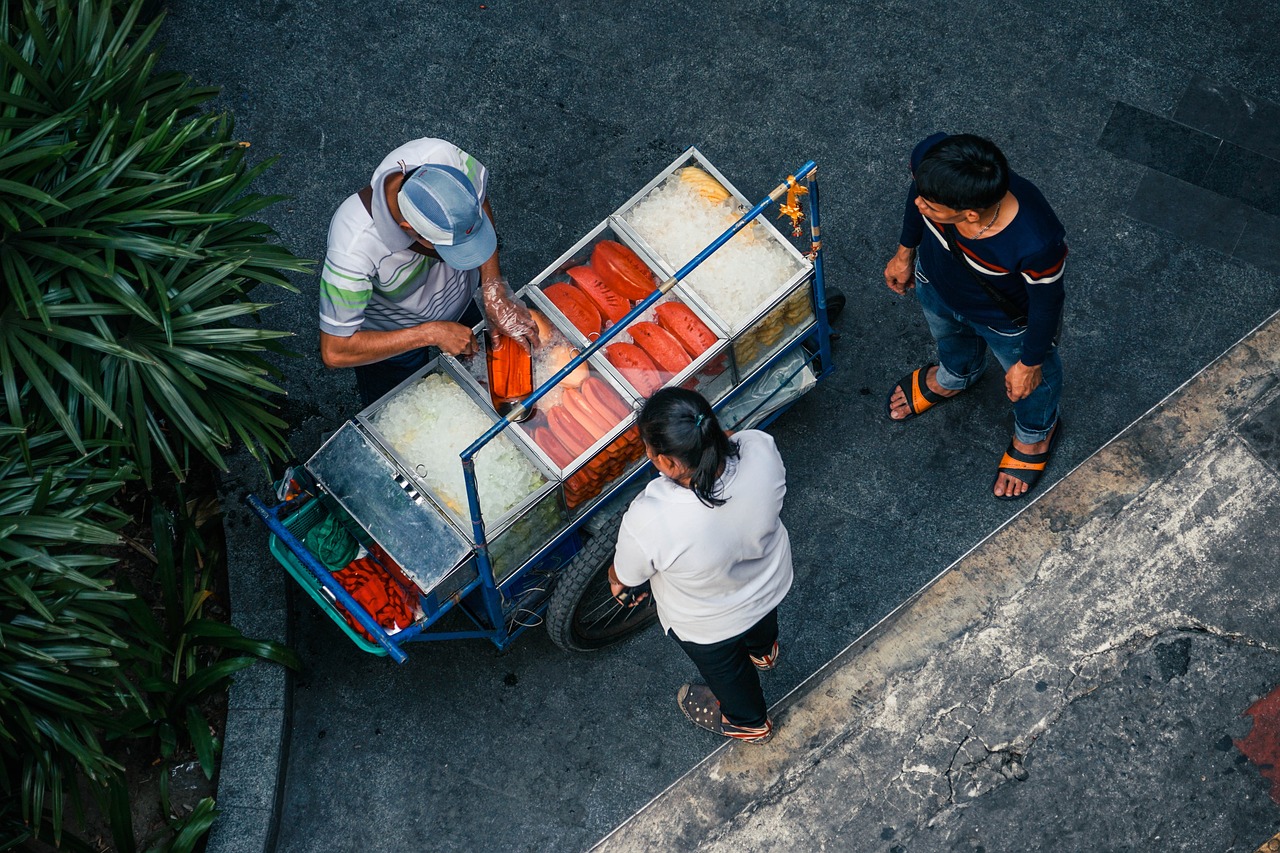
(583, 615)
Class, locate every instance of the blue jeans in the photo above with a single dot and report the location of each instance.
(962, 356)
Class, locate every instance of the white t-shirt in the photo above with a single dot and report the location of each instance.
(714, 571)
(372, 279)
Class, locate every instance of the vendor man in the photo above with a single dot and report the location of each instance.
(405, 256)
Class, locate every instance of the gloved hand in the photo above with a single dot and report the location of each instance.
(506, 314)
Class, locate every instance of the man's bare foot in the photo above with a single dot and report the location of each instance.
(899, 409)
(1009, 486)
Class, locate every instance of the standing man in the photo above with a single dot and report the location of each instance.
(985, 254)
(404, 259)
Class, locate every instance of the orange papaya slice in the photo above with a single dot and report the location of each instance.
(576, 307)
(573, 435)
(611, 306)
(622, 270)
(661, 346)
(577, 405)
(604, 399)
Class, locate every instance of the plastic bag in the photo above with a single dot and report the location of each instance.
(505, 314)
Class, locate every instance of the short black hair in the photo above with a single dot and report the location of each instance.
(963, 172)
(680, 423)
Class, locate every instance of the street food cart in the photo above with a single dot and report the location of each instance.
(482, 496)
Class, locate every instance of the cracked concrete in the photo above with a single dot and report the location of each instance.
(1073, 683)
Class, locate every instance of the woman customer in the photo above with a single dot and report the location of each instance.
(708, 538)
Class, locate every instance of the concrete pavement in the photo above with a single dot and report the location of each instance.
(1076, 682)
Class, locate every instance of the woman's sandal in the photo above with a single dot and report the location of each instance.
(703, 710)
(920, 397)
(1027, 467)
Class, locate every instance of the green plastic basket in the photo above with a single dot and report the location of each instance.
(299, 524)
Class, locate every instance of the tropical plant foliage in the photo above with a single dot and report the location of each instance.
(129, 348)
(61, 625)
(125, 245)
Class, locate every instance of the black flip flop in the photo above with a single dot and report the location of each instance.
(1027, 467)
(920, 398)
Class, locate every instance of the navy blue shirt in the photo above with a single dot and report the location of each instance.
(1024, 261)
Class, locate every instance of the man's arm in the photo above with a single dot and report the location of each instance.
(900, 272)
(1045, 298)
(368, 346)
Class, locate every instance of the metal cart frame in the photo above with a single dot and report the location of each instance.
(487, 603)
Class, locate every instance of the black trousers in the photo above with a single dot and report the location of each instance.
(729, 672)
(373, 381)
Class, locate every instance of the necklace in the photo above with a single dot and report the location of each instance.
(994, 217)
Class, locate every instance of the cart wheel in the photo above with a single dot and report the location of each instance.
(583, 614)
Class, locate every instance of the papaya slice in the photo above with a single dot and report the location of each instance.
(611, 306)
(686, 327)
(635, 366)
(546, 439)
(577, 405)
(622, 270)
(573, 435)
(604, 399)
(661, 346)
(576, 307)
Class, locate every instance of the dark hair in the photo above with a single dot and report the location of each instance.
(963, 172)
(679, 423)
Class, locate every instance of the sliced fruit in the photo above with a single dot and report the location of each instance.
(661, 346)
(635, 366)
(546, 439)
(576, 307)
(573, 435)
(604, 399)
(686, 327)
(612, 306)
(622, 270)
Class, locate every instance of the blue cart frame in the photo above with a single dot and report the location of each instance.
(483, 597)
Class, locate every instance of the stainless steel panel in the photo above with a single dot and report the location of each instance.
(371, 489)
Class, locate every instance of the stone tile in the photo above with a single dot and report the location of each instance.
(1259, 129)
(1262, 432)
(240, 830)
(1188, 211)
(251, 759)
(1211, 107)
(1159, 143)
(1246, 175)
(1260, 242)
(261, 686)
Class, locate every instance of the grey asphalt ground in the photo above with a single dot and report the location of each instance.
(1150, 126)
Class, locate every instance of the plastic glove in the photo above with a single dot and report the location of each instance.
(507, 315)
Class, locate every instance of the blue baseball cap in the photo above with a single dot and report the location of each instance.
(440, 203)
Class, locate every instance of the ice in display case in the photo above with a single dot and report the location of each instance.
(757, 286)
(395, 470)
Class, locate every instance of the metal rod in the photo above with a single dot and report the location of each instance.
(819, 280)
(488, 584)
(325, 577)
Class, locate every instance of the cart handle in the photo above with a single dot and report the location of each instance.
(325, 577)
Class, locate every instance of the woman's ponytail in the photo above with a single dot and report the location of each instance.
(679, 423)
